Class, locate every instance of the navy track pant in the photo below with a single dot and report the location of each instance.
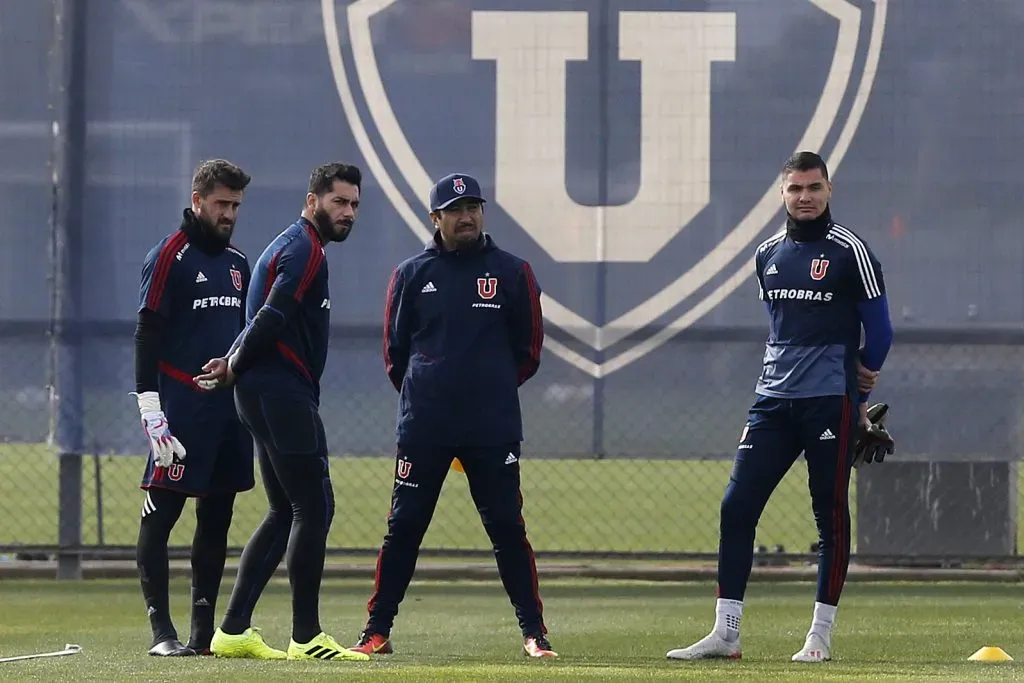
(493, 474)
(776, 433)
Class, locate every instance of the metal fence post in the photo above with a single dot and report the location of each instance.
(68, 167)
(601, 278)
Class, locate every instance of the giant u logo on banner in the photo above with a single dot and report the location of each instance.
(677, 50)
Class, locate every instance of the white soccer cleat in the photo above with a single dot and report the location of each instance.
(711, 646)
(815, 650)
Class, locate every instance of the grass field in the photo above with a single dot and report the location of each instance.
(609, 505)
(603, 632)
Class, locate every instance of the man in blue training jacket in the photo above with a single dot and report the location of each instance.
(275, 365)
(821, 283)
(463, 332)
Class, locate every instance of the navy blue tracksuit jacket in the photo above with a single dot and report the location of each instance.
(463, 331)
(293, 263)
(818, 294)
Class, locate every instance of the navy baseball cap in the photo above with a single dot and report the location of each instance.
(452, 187)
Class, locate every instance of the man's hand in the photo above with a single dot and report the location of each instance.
(874, 441)
(216, 373)
(165, 446)
(865, 420)
(866, 379)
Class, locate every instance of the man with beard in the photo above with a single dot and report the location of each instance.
(821, 284)
(463, 331)
(275, 366)
(193, 286)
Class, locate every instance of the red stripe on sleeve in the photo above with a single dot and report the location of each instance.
(271, 276)
(316, 257)
(162, 269)
(536, 323)
(388, 365)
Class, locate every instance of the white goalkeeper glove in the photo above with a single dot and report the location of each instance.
(163, 443)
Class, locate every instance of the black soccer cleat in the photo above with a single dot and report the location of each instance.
(201, 650)
(172, 647)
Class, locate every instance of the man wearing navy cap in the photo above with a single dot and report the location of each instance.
(463, 331)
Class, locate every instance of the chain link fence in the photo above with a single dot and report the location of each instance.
(653, 489)
(100, 128)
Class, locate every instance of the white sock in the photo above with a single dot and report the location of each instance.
(821, 622)
(727, 618)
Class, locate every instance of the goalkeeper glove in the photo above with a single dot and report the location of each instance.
(164, 445)
(874, 441)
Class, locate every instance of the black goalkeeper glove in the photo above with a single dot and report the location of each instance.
(874, 442)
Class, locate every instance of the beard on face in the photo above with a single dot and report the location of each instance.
(335, 232)
(220, 231)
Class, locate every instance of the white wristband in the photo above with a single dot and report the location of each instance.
(149, 402)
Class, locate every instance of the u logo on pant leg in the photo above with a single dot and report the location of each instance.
(403, 468)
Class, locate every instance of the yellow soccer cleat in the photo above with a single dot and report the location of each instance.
(247, 645)
(324, 647)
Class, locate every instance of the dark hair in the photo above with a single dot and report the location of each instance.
(321, 180)
(805, 161)
(209, 174)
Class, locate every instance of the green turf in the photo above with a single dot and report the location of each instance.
(570, 505)
(603, 632)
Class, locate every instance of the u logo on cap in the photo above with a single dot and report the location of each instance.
(459, 186)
